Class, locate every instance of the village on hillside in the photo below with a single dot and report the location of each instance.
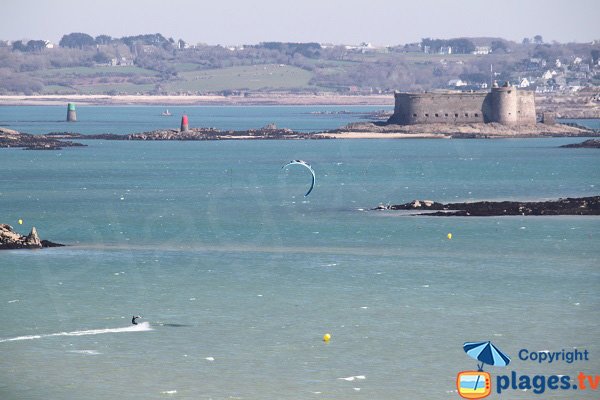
(155, 65)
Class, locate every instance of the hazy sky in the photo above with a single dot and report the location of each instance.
(326, 21)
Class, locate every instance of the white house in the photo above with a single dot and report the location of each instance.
(457, 83)
(524, 83)
(482, 50)
(445, 50)
(549, 74)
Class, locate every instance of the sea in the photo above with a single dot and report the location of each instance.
(238, 276)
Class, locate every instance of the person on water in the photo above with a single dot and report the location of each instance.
(134, 318)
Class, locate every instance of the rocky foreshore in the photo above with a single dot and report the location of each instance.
(9, 239)
(359, 130)
(12, 138)
(57, 140)
(568, 206)
(588, 144)
(458, 131)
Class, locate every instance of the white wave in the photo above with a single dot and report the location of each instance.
(143, 327)
(210, 358)
(13, 301)
(351, 378)
(90, 352)
(169, 392)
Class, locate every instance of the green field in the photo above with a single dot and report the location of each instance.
(95, 71)
(116, 88)
(57, 89)
(254, 77)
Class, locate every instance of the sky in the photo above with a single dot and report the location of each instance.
(229, 22)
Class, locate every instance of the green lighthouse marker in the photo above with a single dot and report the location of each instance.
(71, 114)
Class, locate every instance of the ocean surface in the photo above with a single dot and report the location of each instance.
(133, 119)
(238, 276)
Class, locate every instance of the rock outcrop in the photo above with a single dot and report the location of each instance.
(588, 144)
(568, 206)
(9, 239)
(12, 138)
(465, 131)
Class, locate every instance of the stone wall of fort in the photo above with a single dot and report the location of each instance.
(504, 105)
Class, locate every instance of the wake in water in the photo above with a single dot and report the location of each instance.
(143, 327)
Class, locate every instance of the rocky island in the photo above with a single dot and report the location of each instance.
(568, 206)
(588, 144)
(382, 130)
(58, 140)
(12, 138)
(9, 239)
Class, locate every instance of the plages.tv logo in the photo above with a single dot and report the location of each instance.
(478, 384)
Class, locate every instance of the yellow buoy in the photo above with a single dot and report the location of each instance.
(449, 236)
(20, 222)
(326, 337)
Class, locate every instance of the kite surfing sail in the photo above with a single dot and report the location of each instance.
(307, 165)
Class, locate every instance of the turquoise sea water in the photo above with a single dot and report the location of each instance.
(131, 119)
(238, 276)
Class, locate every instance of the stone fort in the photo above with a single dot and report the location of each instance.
(503, 104)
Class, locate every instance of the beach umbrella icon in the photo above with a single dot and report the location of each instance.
(487, 353)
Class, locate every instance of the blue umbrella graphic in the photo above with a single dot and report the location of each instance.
(487, 353)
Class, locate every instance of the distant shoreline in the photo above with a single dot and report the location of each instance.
(267, 99)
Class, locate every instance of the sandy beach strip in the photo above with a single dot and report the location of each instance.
(379, 135)
(253, 99)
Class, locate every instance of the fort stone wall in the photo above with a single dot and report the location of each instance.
(526, 108)
(503, 105)
(427, 108)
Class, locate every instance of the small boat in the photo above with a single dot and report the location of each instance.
(166, 113)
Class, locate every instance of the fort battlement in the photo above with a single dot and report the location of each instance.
(505, 105)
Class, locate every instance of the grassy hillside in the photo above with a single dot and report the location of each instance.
(151, 64)
(252, 77)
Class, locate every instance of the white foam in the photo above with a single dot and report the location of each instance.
(90, 352)
(351, 378)
(143, 327)
(13, 301)
(169, 392)
(357, 389)
(210, 358)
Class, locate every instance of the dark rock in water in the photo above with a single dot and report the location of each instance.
(47, 243)
(9, 239)
(568, 206)
(12, 138)
(589, 144)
